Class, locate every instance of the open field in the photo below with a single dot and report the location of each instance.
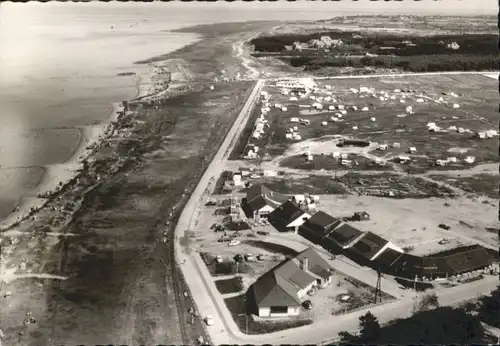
(475, 96)
(480, 184)
(413, 223)
(399, 186)
(315, 184)
(327, 162)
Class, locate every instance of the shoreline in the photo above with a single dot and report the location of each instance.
(57, 176)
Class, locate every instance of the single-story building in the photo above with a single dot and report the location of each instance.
(318, 226)
(288, 217)
(343, 235)
(261, 201)
(366, 248)
(281, 291)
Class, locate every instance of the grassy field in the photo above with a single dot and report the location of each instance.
(315, 184)
(401, 186)
(480, 184)
(232, 285)
(224, 268)
(327, 162)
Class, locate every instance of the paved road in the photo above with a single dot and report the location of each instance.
(189, 269)
(209, 302)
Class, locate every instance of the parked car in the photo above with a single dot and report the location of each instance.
(261, 257)
(263, 232)
(224, 239)
(209, 320)
(307, 304)
(444, 226)
(234, 243)
(249, 257)
(210, 203)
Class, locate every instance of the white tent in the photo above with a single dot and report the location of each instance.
(324, 123)
(373, 119)
(364, 109)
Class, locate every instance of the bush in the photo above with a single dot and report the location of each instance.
(232, 285)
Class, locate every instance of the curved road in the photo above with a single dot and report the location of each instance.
(209, 302)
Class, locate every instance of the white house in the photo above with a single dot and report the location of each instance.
(281, 291)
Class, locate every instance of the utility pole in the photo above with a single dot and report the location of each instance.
(378, 287)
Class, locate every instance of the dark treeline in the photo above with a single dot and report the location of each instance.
(408, 53)
(419, 63)
(423, 45)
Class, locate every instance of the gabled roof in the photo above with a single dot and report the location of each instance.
(369, 245)
(344, 234)
(317, 265)
(259, 196)
(320, 224)
(387, 258)
(285, 214)
(269, 290)
(280, 285)
(469, 260)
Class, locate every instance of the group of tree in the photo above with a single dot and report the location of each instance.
(489, 308)
(443, 325)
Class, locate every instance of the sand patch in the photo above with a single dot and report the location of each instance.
(415, 222)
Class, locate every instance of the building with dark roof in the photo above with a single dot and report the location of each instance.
(386, 259)
(368, 246)
(280, 291)
(371, 250)
(344, 235)
(318, 226)
(288, 217)
(261, 201)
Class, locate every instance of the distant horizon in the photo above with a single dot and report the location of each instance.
(364, 7)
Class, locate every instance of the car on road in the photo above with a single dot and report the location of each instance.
(307, 304)
(263, 232)
(209, 320)
(234, 243)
